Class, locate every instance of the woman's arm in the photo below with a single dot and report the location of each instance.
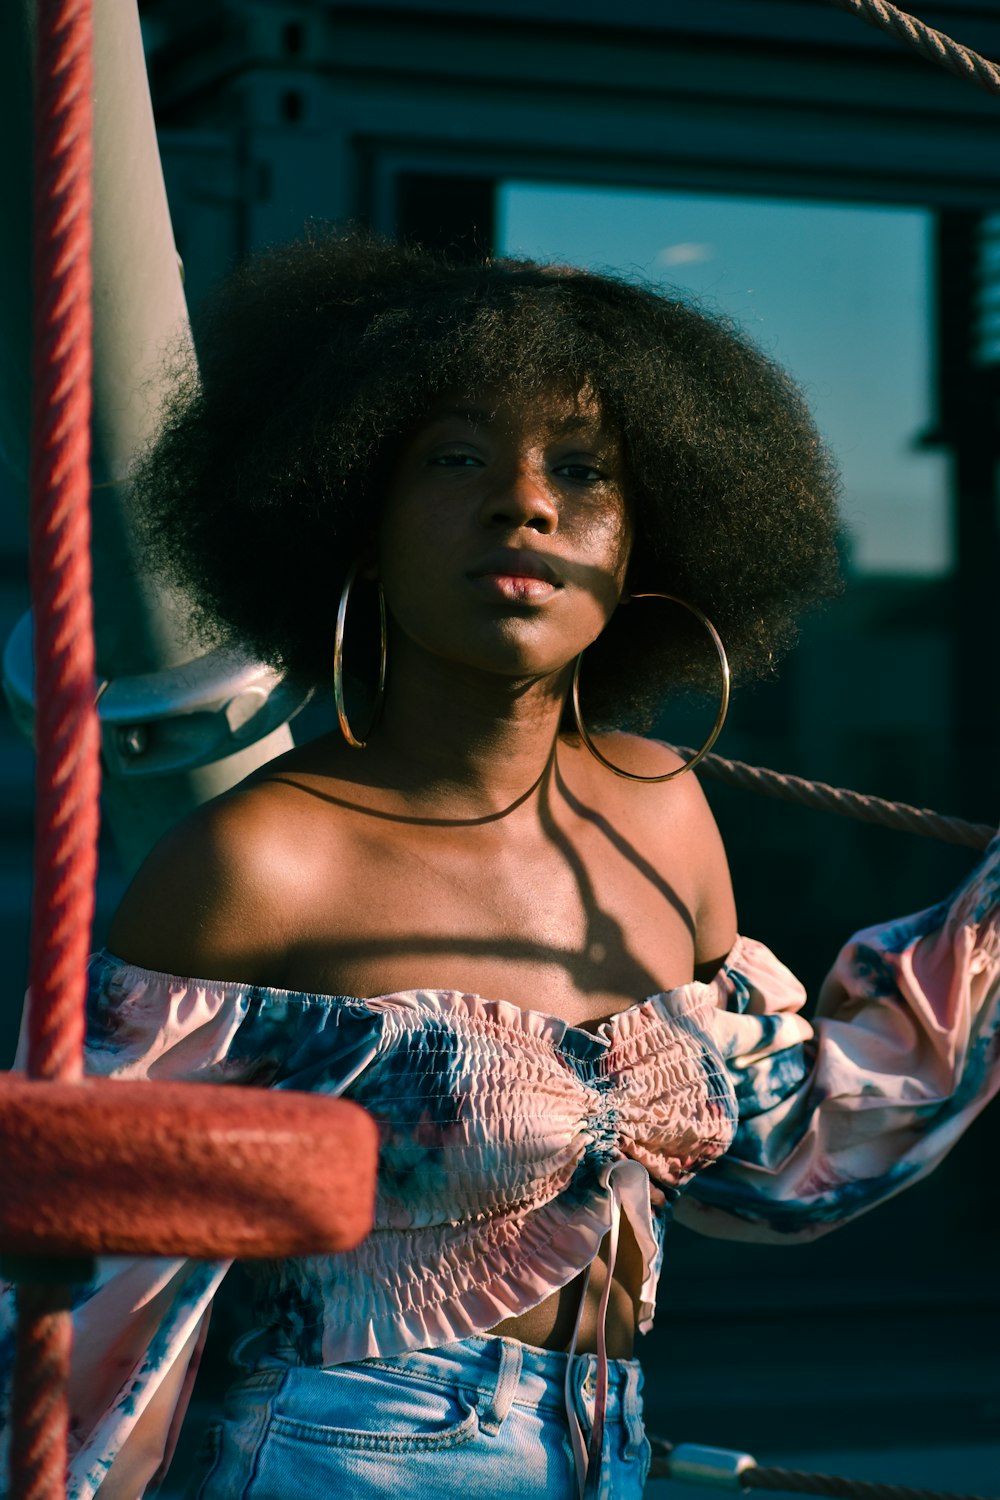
(838, 1115)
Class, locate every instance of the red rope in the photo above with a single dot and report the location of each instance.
(66, 726)
(39, 1410)
(66, 732)
(67, 766)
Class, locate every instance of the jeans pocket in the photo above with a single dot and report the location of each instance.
(375, 1409)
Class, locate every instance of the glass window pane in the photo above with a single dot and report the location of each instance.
(837, 293)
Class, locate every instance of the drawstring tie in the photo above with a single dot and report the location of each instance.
(588, 1460)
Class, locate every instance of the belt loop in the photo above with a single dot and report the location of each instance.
(493, 1407)
(632, 1412)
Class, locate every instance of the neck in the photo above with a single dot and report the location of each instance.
(472, 742)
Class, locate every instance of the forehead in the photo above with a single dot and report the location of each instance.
(551, 413)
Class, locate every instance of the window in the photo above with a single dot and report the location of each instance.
(839, 294)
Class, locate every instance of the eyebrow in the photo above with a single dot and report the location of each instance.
(470, 414)
(565, 427)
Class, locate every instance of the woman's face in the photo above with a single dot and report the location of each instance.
(505, 535)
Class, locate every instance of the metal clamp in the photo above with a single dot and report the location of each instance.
(719, 1467)
(158, 723)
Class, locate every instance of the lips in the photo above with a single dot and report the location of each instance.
(516, 562)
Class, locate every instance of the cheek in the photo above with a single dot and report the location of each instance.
(614, 549)
(626, 545)
(402, 531)
(419, 567)
(419, 515)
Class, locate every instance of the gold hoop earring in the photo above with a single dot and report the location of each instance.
(720, 717)
(338, 662)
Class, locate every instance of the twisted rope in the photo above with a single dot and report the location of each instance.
(67, 770)
(933, 45)
(800, 1483)
(38, 1410)
(735, 1471)
(850, 804)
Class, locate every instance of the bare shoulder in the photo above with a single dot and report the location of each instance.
(681, 830)
(215, 898)
(638, 756)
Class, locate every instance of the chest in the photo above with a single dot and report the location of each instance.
(567, 920)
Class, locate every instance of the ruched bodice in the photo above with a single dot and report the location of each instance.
(497, 1128)
(498, 1125)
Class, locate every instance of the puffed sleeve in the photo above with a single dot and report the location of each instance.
(837, 1115)
(139, 1326)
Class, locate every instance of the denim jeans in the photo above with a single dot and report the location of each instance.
(481, 1417)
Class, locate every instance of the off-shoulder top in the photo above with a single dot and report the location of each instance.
(512, 1141)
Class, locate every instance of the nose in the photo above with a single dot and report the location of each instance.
(522, 498)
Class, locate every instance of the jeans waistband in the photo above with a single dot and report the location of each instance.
(488, 1364)
(495, 1371)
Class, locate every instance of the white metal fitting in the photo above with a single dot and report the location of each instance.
(720, 1467)
(158, 723)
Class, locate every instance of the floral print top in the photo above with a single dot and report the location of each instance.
(510, 1142)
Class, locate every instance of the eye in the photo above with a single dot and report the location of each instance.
(454, 459)
(582, 473)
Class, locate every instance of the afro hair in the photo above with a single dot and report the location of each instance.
(317, 358)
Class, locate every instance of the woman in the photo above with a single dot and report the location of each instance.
(566, 1031)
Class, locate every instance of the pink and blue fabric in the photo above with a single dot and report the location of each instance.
(513, 1142)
